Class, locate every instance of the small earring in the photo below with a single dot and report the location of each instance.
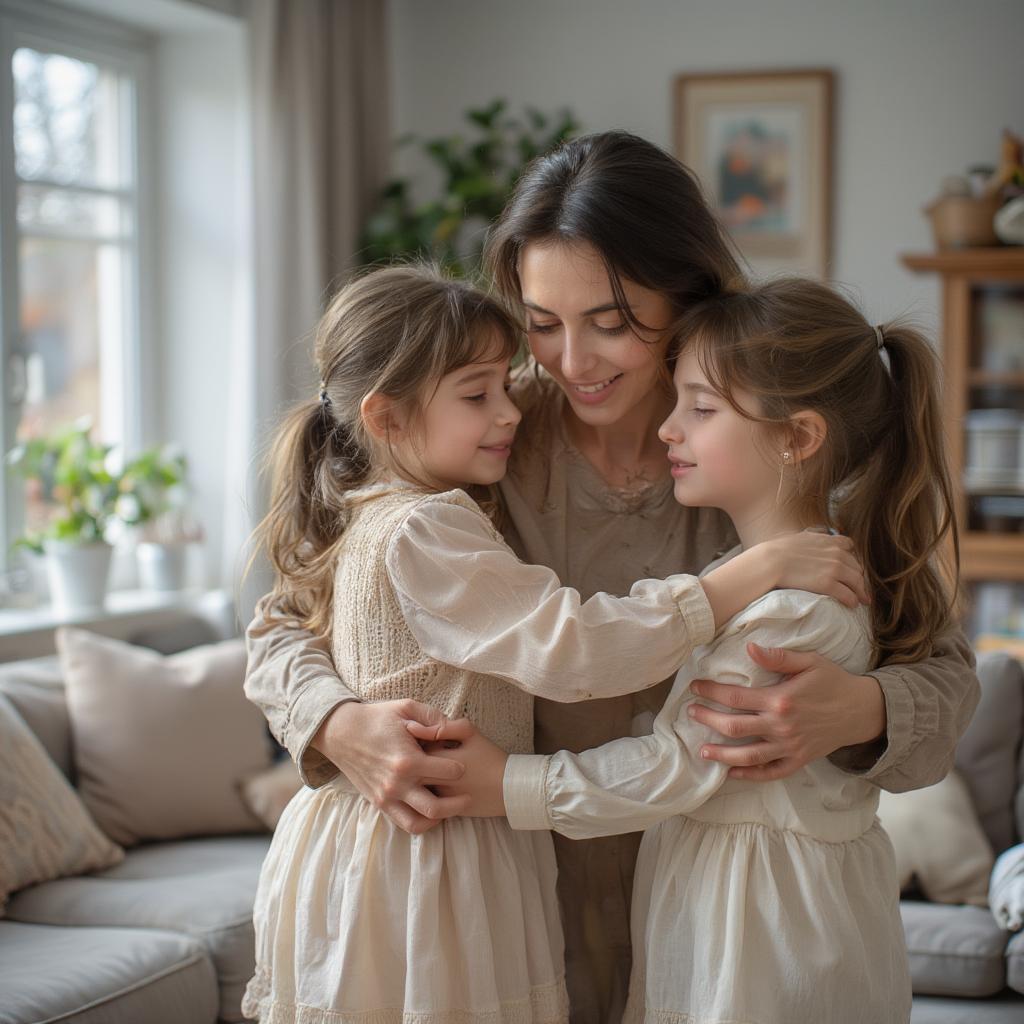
(786, 457)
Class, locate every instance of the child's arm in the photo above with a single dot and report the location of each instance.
(630, 784)
(470, 602)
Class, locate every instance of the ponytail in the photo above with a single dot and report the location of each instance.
(313, 463)
(899, 508)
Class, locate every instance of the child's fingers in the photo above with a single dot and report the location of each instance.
(749, 755)
(437, 808)
(437, 769)
(457, 729)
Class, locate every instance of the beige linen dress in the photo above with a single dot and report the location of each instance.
(358, 922)
(560, 513)
(753, 903)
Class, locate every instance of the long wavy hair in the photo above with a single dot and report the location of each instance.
(395, 332)
(881, 476)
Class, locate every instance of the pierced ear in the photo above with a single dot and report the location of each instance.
(806, 434)
(381, 417)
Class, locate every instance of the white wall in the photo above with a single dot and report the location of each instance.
(924, 88)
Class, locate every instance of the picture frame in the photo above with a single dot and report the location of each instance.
(760, 142)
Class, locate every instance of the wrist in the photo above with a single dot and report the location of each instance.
(335, 725)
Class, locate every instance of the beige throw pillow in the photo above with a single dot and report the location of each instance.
(161, 744)
(45, 832)
(269, 792)
(939, 841)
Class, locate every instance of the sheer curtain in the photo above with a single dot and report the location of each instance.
(319, 92)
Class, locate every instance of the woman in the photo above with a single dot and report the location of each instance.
(604, 243)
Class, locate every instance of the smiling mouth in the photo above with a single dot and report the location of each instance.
(594, 389)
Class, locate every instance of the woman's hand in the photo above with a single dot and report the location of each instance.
(372, 746)
(484, 763)
(819, 562)
(815, 710)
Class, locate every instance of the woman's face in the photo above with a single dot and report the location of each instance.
(578, 333)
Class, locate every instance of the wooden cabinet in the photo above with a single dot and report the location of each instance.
(983, 356)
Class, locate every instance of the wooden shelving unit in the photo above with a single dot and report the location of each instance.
(965, 274)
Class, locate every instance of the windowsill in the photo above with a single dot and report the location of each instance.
(28, 632)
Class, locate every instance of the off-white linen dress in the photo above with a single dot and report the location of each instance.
(358, 922)
(753, 903)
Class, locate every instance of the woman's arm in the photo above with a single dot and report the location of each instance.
(291, 678)
(897, 726)
(630, 784)
(470, 602)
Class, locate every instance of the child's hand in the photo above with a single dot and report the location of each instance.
(819, 562)
(484, 762)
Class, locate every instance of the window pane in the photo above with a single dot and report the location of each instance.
(68, 211)
(67, 117)
(72, 330)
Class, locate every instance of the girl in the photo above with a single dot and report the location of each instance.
(604, 243)
(777, 902)
(377, 547)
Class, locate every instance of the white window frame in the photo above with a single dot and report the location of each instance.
(48, 28)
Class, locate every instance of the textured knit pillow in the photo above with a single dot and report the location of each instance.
(161, 743)
(45, 832)
(939, 841)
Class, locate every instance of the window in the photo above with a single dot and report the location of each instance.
(70, 215)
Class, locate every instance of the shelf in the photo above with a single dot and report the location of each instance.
(1007, 259)
(991, 556)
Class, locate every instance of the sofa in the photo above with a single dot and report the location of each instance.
(163, 937)
(965, 968)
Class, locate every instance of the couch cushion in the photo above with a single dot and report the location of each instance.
(45, 832)
(954, 951)
(35, 687)
(988, 754)
(103, 976)
(204, 888)
(1007, 1008)
(1015, 964)
(161, 744)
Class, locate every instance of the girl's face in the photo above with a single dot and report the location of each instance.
(578, 334)
(464, 433)
(718, 458)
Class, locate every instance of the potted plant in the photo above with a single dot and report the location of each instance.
(154, 499)
(478, 175)
(78, 478)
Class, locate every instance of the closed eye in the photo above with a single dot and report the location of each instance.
(702, 413)
(476, 398)
(541, 328)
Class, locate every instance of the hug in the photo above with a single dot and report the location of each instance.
(594, 660)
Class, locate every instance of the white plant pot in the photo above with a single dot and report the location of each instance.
(77, 574)
(162, 566)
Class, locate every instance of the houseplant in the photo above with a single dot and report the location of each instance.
(154, 499)
(478, 174)
(78, 479)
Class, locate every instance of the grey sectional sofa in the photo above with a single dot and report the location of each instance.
(965, 968)
(165, 937)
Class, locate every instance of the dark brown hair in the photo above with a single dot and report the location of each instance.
(396, 332)
(881, 475)
(640, 208)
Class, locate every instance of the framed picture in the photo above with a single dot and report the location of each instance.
(761, 145)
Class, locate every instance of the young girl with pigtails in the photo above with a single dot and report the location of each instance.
(380, 548)
(767, 902)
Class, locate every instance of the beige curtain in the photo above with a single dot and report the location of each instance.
(320, 150)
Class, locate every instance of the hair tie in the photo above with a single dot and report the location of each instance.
(879, 337)
(325, 399)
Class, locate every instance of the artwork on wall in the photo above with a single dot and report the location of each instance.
(760, 143)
